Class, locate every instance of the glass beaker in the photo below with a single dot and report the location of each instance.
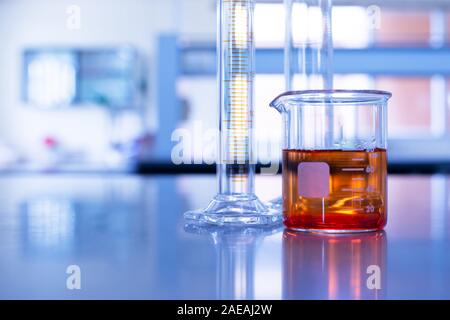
(334, 160)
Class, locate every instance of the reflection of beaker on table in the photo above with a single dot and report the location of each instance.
(235, 258)
(323, 266)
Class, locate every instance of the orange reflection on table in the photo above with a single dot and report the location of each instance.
(325, 266)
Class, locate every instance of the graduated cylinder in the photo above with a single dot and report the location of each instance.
(236, 77)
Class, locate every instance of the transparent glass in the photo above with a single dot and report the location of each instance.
(334, 160)
(309, 45)
(308, 51)
(236, 202)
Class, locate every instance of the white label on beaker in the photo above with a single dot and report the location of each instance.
(314, 179)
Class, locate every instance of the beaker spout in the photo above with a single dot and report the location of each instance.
(279, 104)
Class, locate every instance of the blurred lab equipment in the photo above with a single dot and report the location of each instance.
(113, 79)
(66, 77)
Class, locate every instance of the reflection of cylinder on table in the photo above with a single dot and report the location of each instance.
(317, 266)
(236, 264)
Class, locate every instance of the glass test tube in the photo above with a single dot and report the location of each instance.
(309, 45)
(236, 202)
(308, 51)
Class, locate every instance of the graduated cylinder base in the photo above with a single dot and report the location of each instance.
(275, 204)
(235, 210)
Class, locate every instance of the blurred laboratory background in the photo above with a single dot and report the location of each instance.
(102, 85)
(91, 93)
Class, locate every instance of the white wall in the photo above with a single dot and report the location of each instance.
(196, 18)
(28, 23)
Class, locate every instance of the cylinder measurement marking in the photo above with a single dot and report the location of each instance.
(238, 80)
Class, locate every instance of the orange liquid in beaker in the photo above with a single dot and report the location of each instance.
(346, 191)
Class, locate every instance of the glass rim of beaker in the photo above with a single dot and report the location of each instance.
(338, 97)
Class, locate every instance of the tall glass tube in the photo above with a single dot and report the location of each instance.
(236, 202)
(308, 51)
(309, 45)
(236, 63)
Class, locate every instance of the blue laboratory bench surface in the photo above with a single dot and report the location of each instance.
(127, 236)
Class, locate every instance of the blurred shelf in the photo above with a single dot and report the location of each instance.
(199, 60)
(395, 167)
(80, 169)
